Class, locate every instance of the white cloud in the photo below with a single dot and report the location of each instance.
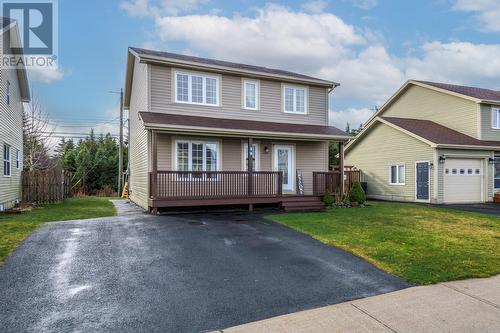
(160, 7)
(457, 62)
(353, 116)
(45, 75)
(364, 4)
(488, 12)
(316, 7)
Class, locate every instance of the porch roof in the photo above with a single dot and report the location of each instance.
(239, 127)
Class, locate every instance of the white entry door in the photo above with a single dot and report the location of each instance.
(283, 161)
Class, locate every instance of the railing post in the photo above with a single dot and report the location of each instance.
(154, 183)
(341, 168)
(280, 183)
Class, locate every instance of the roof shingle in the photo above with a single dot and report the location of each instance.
(239, 124)
(480, 93)
(437, 133)
(221, 63)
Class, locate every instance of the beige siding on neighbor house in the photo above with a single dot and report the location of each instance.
(381, 147)
(461, 153)
(162, 100)
(422, 103)
(309, 156)
(11, 132)
(139, 180)
(487, 132)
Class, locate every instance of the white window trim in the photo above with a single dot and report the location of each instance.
(9, 148)
(190, 157)
(18, 159)
(257, 94)
(256, 167)
(493, 111)
(306, 98)
(397, 165)
(190, 87)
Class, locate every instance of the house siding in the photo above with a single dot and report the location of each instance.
(139, 145)
(463, 153)
(11, 132)
(487, 132)
(309, 156)
(384, 146)
(451, 111)
(270, 109)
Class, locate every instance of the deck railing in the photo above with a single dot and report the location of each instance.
(214, 184)
(330, 181)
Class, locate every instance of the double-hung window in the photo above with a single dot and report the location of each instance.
(6, 160)
(397, 174)
(251, 94)
(18, 159)
(196, 156)
(495, 118)
(255, 157)
(196, 89)
(295, 99)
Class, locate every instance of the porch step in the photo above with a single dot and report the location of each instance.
(302, 203)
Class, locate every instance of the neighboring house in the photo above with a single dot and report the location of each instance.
(14, 90)
(194, 121)
(432, 142)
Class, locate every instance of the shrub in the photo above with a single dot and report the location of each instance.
(328, 199)
(357, 194)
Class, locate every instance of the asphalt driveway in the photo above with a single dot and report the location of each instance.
(484, 208)
(184, 273)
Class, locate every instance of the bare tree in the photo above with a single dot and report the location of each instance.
(37, 134)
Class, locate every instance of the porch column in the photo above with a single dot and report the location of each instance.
(250, 171)
(341, 167)
(154, 168)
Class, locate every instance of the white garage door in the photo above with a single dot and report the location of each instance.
(463, 179)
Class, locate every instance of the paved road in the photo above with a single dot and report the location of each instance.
(184, 273)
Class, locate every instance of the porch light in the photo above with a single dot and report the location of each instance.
(266, 149)
(442, 159)
(491, 160)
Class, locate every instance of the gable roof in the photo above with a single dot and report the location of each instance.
(6, 24)
(182, 60)
(239, 126)
(475, 92)
(437, 134)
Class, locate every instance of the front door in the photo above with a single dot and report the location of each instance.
(422, 170)
(283, 161)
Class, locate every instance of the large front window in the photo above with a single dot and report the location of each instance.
(497, 172)
(294, 99)
(196, 156)
(196, 89)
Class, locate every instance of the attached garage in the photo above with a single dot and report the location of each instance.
(463, 180)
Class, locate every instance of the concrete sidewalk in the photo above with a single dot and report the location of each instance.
(461, 306)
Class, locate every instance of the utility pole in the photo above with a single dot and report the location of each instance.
(120, 147)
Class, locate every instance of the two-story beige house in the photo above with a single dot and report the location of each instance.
(432, 142)
(14, 90)
(194, 122)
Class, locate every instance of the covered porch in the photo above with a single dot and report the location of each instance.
(197, 161)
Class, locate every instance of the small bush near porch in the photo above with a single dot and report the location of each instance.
(14, 228)
(420, 244)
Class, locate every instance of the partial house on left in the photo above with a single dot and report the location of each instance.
(14, 91)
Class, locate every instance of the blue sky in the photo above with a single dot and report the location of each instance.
(370, 46)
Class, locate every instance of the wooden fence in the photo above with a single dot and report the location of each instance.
(330, 181)
(48, 186)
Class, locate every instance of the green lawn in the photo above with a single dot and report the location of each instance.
(14, 228)
(417, 243)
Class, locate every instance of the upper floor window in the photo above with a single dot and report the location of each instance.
(495, 118)
(294, 99)
(196, 89)
(8, 92)
(251, 94)
(6, 160)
